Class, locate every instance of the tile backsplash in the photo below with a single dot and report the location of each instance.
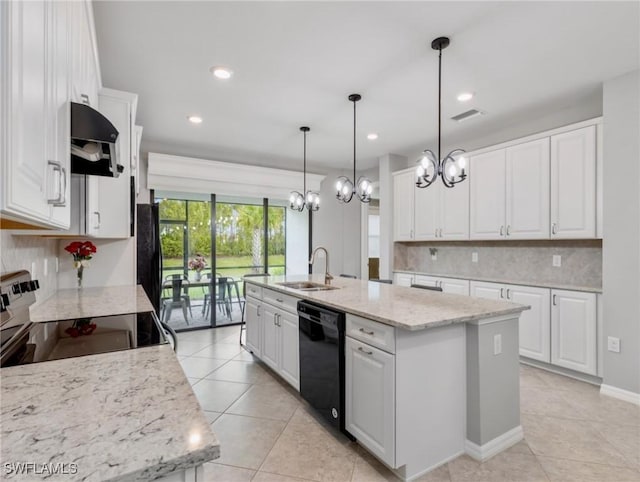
(516, 261)
(29, 252)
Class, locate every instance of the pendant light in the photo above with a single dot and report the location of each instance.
(452, 167)
(345, 188)
(310, 199)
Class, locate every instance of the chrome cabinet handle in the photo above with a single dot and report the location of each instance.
(553, 229)
(508, 291)
(509, 230)
(59, 200)
(501, 230)
(258, 310)
(370, 333)
(554, 300)
(411, 234)
(501, 292)
(85, 99)
(97, 226)
(279, 300)
(440, 232)
(436, 232)
(365, 351)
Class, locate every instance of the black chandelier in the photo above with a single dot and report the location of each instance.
(452, 168)
(345, 187)
(310, 199)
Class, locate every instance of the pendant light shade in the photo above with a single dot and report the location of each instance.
(345, 187)
(451, 168)
(310, 199)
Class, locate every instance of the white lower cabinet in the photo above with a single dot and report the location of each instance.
(560, 327)
(272, 336)
(403, 279)
(254, 326)
(370, 398)
(573, 330)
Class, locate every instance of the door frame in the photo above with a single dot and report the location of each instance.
(364, 234)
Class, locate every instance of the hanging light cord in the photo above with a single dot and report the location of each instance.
(304, 167)
(354, 145)
(439, 103)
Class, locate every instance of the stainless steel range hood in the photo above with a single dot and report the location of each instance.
(93, 143)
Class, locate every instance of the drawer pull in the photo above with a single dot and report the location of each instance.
(370, 333)
(279, 300)
(365, 351)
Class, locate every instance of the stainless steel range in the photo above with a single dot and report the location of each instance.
(24, 341)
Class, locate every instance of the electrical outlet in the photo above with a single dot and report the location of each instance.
(57, 264)
(497, 344)
(45, 268)
(613, 344)
(434, 257)
(474, 257)
(34, 271)
(557, 260)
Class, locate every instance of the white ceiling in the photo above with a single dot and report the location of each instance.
(294, 64)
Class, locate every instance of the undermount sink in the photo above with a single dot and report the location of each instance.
(307, 286)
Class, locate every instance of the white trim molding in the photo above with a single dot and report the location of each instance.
(188, 174)
(495, 446)
(620, 394)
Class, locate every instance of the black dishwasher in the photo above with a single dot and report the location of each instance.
(321, 335)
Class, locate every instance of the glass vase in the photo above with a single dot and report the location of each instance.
(79, 277)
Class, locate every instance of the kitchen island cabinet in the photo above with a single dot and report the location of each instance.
(424, 376)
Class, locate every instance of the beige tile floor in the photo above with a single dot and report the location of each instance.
(269, 434)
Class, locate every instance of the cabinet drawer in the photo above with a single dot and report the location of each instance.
(285, 302)
(254, 291)
(375, 334)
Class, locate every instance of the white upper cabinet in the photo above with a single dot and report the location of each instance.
(488, 195)
(34, 142)
(454, 211)
(573, 330)
(527, 190)
(426, 213)
(573, 184)
(403, 205)
(85, 68)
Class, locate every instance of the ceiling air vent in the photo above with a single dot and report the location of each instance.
(470, 114)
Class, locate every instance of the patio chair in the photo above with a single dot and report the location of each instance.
(176, 300)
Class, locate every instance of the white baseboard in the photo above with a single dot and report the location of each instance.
(401, 472)
(495, 446)
(620, 394)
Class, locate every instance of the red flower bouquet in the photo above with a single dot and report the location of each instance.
(82, 252)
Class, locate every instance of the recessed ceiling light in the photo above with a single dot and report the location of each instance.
(194, 119)
(221, 72)
(372, 137)
(465, 96)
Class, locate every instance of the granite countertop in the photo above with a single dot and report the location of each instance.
(76, 303)
(128, 415)
(537, 284)
(407, 308)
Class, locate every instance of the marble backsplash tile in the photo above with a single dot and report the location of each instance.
(25, 252)
(517, 261)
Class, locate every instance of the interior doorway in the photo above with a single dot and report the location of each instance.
(370, 237)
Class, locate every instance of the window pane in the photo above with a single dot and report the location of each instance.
(172, 209)
(239, 239)
(277, 240)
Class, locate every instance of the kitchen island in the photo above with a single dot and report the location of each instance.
(428, 375)
(123, 415)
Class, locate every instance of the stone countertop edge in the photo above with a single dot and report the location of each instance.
(271, 283)
(557, 286)
(74, 303)
(134, 417)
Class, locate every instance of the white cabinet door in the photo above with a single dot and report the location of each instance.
(426, 214)
(370, 398)
(454, 211)
(424, 280)
(270, 337)
(403, 279)
(535, 323)
(254, 326)
(490, 291)
(85, 73)
(573, 184)
(403, 205)
(573, 330)
(527, 184)
(289, 348)
(487, 195)
(455, 286)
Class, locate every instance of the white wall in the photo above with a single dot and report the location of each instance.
(621, 235)
(388, 164)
